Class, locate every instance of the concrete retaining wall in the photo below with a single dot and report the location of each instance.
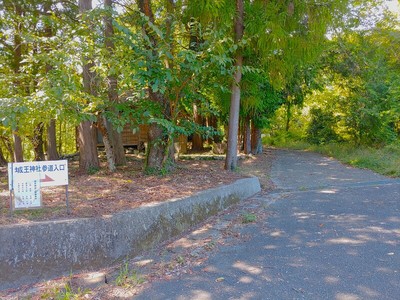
(34, 252)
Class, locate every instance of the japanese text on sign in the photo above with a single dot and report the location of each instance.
(26, 179)
(52, 173)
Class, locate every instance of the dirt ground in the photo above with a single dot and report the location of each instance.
(105, 193)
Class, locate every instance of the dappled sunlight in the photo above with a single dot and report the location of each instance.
(210, 269)
(345, 241)
(331, 280)
(304, 215)
(93, 278)
(341, 179)
(270, 247)
(376, 229)
(312, 244)
(202, 230)
(385, 270)
(296, 239)
(365, 238)
(143, 262)
(346, 296)
(266, 278)
(332, 191)
(247, 296)
(184, 243)
(368, 292)
(277, 233)
(297, 262)
(394, 219)
(245, 279)
(198, 295)
(353, 252)
(247, 268)
(347, 218)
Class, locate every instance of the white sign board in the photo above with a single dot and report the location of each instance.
(51, 172)
(27, 194)
(25, 180)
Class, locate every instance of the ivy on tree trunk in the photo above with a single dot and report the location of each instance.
(159, 143)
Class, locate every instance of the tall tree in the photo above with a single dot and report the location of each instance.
(158, 140)
(231, 154)
(18, 150)
(112, 82)
(52, 153)
(88, 155)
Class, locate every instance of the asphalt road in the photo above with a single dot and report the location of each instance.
(333, 232)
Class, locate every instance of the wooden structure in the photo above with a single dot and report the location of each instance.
(135, 137)
(138, 137)
(130, 137)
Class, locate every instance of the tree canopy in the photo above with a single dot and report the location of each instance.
(213, 72)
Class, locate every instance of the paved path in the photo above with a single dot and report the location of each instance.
(333, 232)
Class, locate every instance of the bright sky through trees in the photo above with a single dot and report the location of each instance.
(394, 6)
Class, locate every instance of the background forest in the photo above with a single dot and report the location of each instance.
(217, 73)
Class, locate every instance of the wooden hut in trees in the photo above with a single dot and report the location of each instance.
(130, 137)
(137, 137)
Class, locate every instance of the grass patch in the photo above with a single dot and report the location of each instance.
(128, 278)
(37, 213)
(248, 218)
(66, 293)
(385, 161)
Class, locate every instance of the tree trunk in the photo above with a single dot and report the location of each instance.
(60, 139)
(212, 121)
(231, 154)
(288, 115)
(155, 153)
(159, 143)
(197, 141)
(102, 126)
(38, 143)
(18, 151)
(3, 160)
(118, 146)
(8, 145)
(88, 155)
(247, 136)
(52, 141)
(194, 42)
(113, 135)
(256, 142)
(52, 153)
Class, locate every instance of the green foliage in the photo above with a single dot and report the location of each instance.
(65, 293)
(128, 278)
(259, 99)
(185, 58)
(321, 127)
(355, 96)
(248, 218)
(384, 160)
(92, 170)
